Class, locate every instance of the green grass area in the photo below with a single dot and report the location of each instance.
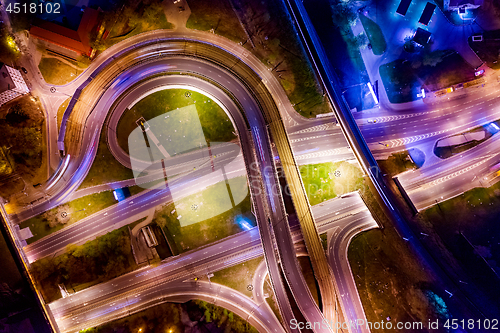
(8, 52)
(307, 272)
(448, 151)
(324, 240)
(374, 34)
(60, 112)
(105, 168)
(160, 110)
(166, 317)
(327, 180)
(404, 78)
(400, 82)
(273, 41)
(179, 219)
(132, 19)
(96, 261)
(22, 144)
(389, 280)
(57, 72)
(396, 163)
(471, 218)
(217, 15)
(388, 276)
(53, 220)
(238, 277)
(136, 189)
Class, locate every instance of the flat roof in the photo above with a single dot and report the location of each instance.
(6, 82)
(422, 37)
(427, 13)
(403, 7)
(77, 41)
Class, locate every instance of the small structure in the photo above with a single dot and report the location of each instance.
(12, 84)
(461, 5)
(403, 7)
(427, 13)
(422, 37)
(67, 42)
(149, 236)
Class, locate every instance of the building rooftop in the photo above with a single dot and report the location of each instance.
(6, 82)
(77, 41)
(460, 3)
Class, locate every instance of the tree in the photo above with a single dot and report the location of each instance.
(16, 115)
(433, 58)
(343, 16)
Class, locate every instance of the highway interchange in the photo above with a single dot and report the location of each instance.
(312, 141)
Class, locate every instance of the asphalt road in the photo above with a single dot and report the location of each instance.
(320, 153)
(111, 299)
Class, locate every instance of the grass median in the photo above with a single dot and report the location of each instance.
(266, 30)
(57, 72)
(22, 145)
(238, 277)
(207, 216)
(96, 261)
(105, 168)
(328, 180)
(64, 215)
(374, 34)
(161, 107)
(174, 317)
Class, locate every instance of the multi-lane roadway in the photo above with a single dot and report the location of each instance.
(311, 141)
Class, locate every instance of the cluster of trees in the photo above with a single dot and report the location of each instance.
(132, 15)
(222, 318)
(98, 260)
(167, 317)
(22, 136)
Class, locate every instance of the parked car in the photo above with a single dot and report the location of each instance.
(24, 70)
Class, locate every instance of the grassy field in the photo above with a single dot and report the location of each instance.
(166, 317)
(52, 220)
(272, 39)
(134, 18)
(238, 277)
(96, 261)
(389, 280)
(56, 72)
(403, 78)
(160, 110)
(396, 164)
(374, 34)
(327, 180)
(400, 82)
(474, 215)
(60, 112)
(105, 168)
(187, 231)
(217, 15)
(22, 145)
